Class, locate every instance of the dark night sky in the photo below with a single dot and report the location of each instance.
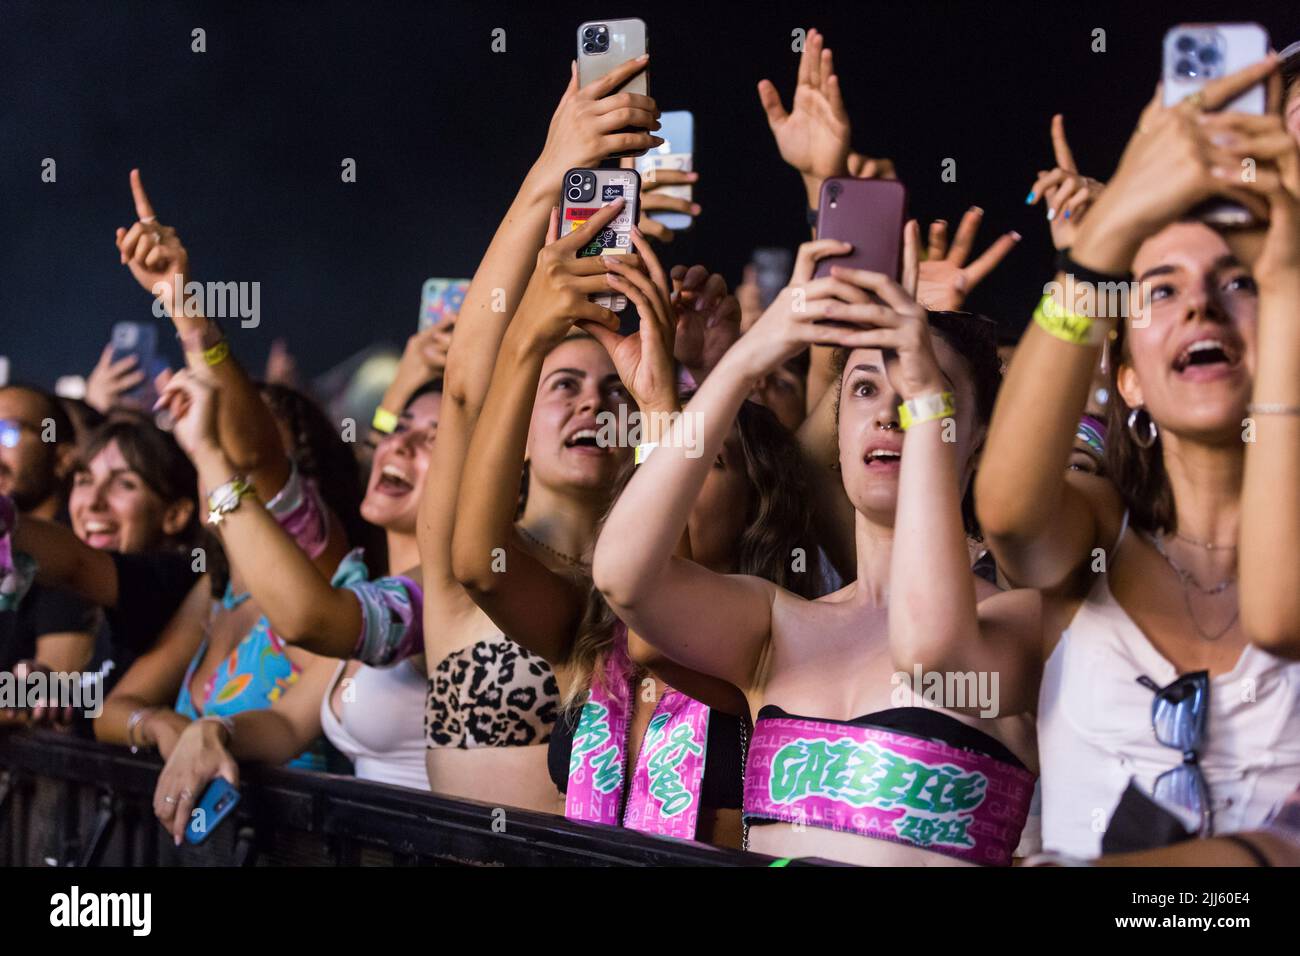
(241, 146)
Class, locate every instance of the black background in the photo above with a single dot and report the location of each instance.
(241, 146)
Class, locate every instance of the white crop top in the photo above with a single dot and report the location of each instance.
(1094, 728)
(382, 729)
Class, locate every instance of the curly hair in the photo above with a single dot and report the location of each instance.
(778, 520)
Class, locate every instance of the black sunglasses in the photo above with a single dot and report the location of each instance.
(1179, 715)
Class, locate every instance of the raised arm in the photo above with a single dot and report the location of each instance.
(671, 602)
(584, 130)
(159, 262)
(302, 606)
(1041, 525)
(531, 604)
(1270, 520)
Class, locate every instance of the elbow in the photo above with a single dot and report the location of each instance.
(475, 568)
(643, 653)
(1276, 630)
(611, 578)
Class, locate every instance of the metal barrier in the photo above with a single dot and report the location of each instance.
(65, 801)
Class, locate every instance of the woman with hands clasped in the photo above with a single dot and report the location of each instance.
(1142, 616)
(491, 703)
(874, 774)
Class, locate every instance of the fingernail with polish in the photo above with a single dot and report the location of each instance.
(1016, 236)
(1067, 214)
(1051, 214)
(1029, 200)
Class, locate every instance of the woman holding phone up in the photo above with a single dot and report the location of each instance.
(1138, 665)
(845, 762)
(491, 703)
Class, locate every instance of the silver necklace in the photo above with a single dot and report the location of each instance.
(1189, 581)
(1207, 545)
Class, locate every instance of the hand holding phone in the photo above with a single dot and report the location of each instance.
(586, 192)
(869, 214)
(218, 801)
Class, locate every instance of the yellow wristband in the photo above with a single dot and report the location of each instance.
(643, 451)
(1068, 326)
(384, 421)
(927, 408)
(217, 354)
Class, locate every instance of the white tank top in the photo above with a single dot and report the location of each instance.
(382, 730)
(1094, 728)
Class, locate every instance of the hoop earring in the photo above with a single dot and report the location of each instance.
(1151, 432)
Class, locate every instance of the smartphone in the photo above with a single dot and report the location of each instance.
(587, 191)
(869, 214)
(1195, 54)
(605, 45)
(217, 802)
(677, 129)
(139, 339)
(772, 267)
(4, 370)
(440, 300)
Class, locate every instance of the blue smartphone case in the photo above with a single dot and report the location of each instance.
(217, 802)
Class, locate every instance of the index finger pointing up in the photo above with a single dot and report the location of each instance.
(1061, 146)
(143, 209)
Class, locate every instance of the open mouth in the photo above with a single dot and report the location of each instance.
(883, 458)
(100, 534)
(393, 481)
(583, 438)
(1210, 354)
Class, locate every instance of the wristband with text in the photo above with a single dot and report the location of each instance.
(1067, 326)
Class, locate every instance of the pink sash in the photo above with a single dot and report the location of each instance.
(887, 785)
(664, 798)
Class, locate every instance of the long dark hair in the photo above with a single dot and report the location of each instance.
(778, 519)
(154, 455)
(1138, 473)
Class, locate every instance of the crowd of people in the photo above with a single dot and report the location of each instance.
(731, 628)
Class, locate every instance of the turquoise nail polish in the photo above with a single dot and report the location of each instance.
(1029, 200)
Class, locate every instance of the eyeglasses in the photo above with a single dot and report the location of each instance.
(11, 432)
(1179, 715)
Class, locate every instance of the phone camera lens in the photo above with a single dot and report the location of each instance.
(1208, 55)
(575, 179)
(588, 47)
(588, 33)
(575, 193)
(1185, 43)
(1185, 67)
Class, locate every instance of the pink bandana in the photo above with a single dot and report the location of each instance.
(887, 785)
(664, 798)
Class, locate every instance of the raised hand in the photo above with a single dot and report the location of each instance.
(945, 276)
(813, 136)
(557, 294)
(655, 198)
(1165, 172)
(644, 360)
(585, 127)
(191, 404)
(708, 318)
(109, 380)
(1066, 192)
(154, 252)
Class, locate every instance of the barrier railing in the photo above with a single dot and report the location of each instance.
(66, 801)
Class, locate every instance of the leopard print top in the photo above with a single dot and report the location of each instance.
(490, 694)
